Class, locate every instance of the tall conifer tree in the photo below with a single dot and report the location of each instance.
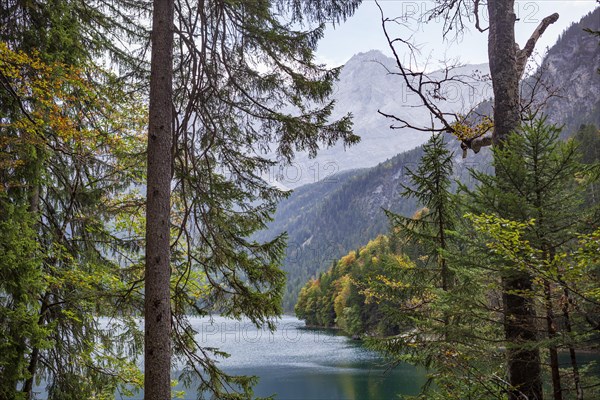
(67, 124)
(246, 94)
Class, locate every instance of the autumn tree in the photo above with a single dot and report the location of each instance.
(67, 126)
(507, 64)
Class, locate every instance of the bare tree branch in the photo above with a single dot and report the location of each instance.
(476, 12)
(430, 88)
(524, 54)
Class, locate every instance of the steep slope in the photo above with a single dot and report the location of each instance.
(571, 69)
(327, 219)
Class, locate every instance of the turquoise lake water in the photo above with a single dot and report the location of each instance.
(296, 363)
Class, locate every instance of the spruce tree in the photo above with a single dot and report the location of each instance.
(431, 187)
(68, 125)
(439, 295)
(247, 94)
(547, 186)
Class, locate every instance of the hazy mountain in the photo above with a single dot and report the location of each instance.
(344, 211)
(364, 87)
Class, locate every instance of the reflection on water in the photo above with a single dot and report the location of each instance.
(297, 363)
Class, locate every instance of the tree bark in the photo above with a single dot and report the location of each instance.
(572, 355)
(524, 371)
(552, 334)
(502, 54)
(157, 308)
(523, 361)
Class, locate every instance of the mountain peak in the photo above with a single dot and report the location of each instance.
(368, 56)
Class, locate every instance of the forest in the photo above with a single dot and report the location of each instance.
(430, 291)
(135, 136)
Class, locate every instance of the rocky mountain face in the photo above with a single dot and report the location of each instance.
(364, 87)
(570, 71)
(344, 210)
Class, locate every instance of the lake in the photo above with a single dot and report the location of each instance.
(295, 363)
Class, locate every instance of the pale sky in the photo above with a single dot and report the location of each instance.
(362, 32)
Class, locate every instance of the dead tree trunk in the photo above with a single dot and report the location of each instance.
(507, 64)
(523, 359)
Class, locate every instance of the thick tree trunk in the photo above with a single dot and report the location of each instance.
(157, 308)
(502, 54)
(524, 370)
(519, 323)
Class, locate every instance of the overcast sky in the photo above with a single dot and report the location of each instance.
(362, 32)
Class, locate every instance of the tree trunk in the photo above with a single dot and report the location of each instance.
(550, 323)
(519, 324)
(502, 54)
(572, 355)
(524, 371)
(34, 207)
(157, 308)
(35, 352)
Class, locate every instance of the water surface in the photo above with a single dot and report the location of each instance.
(295, 363)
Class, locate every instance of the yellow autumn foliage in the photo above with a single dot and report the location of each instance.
(463, 130)
(74, 110)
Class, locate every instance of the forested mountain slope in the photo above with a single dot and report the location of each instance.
(327, 219)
